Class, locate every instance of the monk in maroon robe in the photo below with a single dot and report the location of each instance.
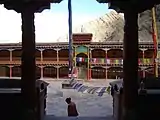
(72, 110)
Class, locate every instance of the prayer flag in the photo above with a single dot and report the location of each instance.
(94, 90)
(102, 91)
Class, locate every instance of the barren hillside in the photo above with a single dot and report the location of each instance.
(109, 27)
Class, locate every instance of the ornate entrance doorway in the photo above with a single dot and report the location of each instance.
(81, 55)
(82, 65)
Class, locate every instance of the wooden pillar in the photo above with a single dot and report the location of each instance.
(28, 60)
(130, 63)
(10, 71)
(41, 71)
(10, 55)
(143, 63)
(57, 55)
(90, 57)
(57, 72)
(28, 63)
(41, 50)
(41, 62)
(10, 59)
(88, 67)
(106, 63)
(75, 62)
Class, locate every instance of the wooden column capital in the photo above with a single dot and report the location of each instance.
(58, 67)
(143, 49)
(58, 50)
(42, 67)
(10, 66)
(41, 50)
(10, 50)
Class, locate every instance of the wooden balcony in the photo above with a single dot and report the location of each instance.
(46, 61)
(61, 61)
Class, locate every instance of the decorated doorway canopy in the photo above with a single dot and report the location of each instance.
(81, 49)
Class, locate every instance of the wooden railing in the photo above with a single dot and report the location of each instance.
(17, 61)
(44, 59)
(4, 58)
(15, 58)
(108, 61)
(63, 59)
(145, 61)
(49, 59)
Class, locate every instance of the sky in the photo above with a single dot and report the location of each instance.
(50, 24)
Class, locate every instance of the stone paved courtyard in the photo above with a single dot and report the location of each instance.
(88, 105)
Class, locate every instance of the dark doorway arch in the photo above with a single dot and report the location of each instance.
(149, 53)
(98, 73)
(98, 53)
(50, 72)
(16, 71)
(63, 72)
(16, 54)
(4, 71)
(63, 54)
(50, 55)
(114, 72)
(4, 55)
(115, 53)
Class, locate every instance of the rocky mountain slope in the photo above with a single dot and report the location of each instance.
(145, 24)
(109, 27)
(105, 28)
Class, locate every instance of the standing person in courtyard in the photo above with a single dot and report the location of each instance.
(72, 110)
